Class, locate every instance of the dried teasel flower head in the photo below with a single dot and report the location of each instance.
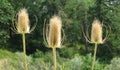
(96, 32)
(23, 22)
(53, 32)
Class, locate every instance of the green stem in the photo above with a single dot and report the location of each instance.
(24, 50)
(54, 57)
(94, 57)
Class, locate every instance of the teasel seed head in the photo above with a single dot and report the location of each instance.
(52, 34)
(96, 32)
(55, 32)
(23, 22)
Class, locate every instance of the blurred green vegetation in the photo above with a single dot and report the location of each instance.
(43, 61)
(76, 52)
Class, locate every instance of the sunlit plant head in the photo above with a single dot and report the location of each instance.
(52, 33)
(23, 22)
(55, 32)
(96, 33)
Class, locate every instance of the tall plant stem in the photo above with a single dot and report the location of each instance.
(94, 57)
(54, 57)
(24, 50)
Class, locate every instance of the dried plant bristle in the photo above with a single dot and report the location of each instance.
(96, 32)
(23, 22)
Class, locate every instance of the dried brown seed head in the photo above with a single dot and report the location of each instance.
(96, 32)
(54, 38)
(23, 22)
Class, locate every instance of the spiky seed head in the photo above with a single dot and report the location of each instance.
(54, 39)
(96, 32)
(23, 22)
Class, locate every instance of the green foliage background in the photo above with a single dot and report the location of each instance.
(75, 14)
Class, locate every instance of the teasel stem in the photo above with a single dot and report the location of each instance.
(24, 50)
(54, 57)
(94, 57)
